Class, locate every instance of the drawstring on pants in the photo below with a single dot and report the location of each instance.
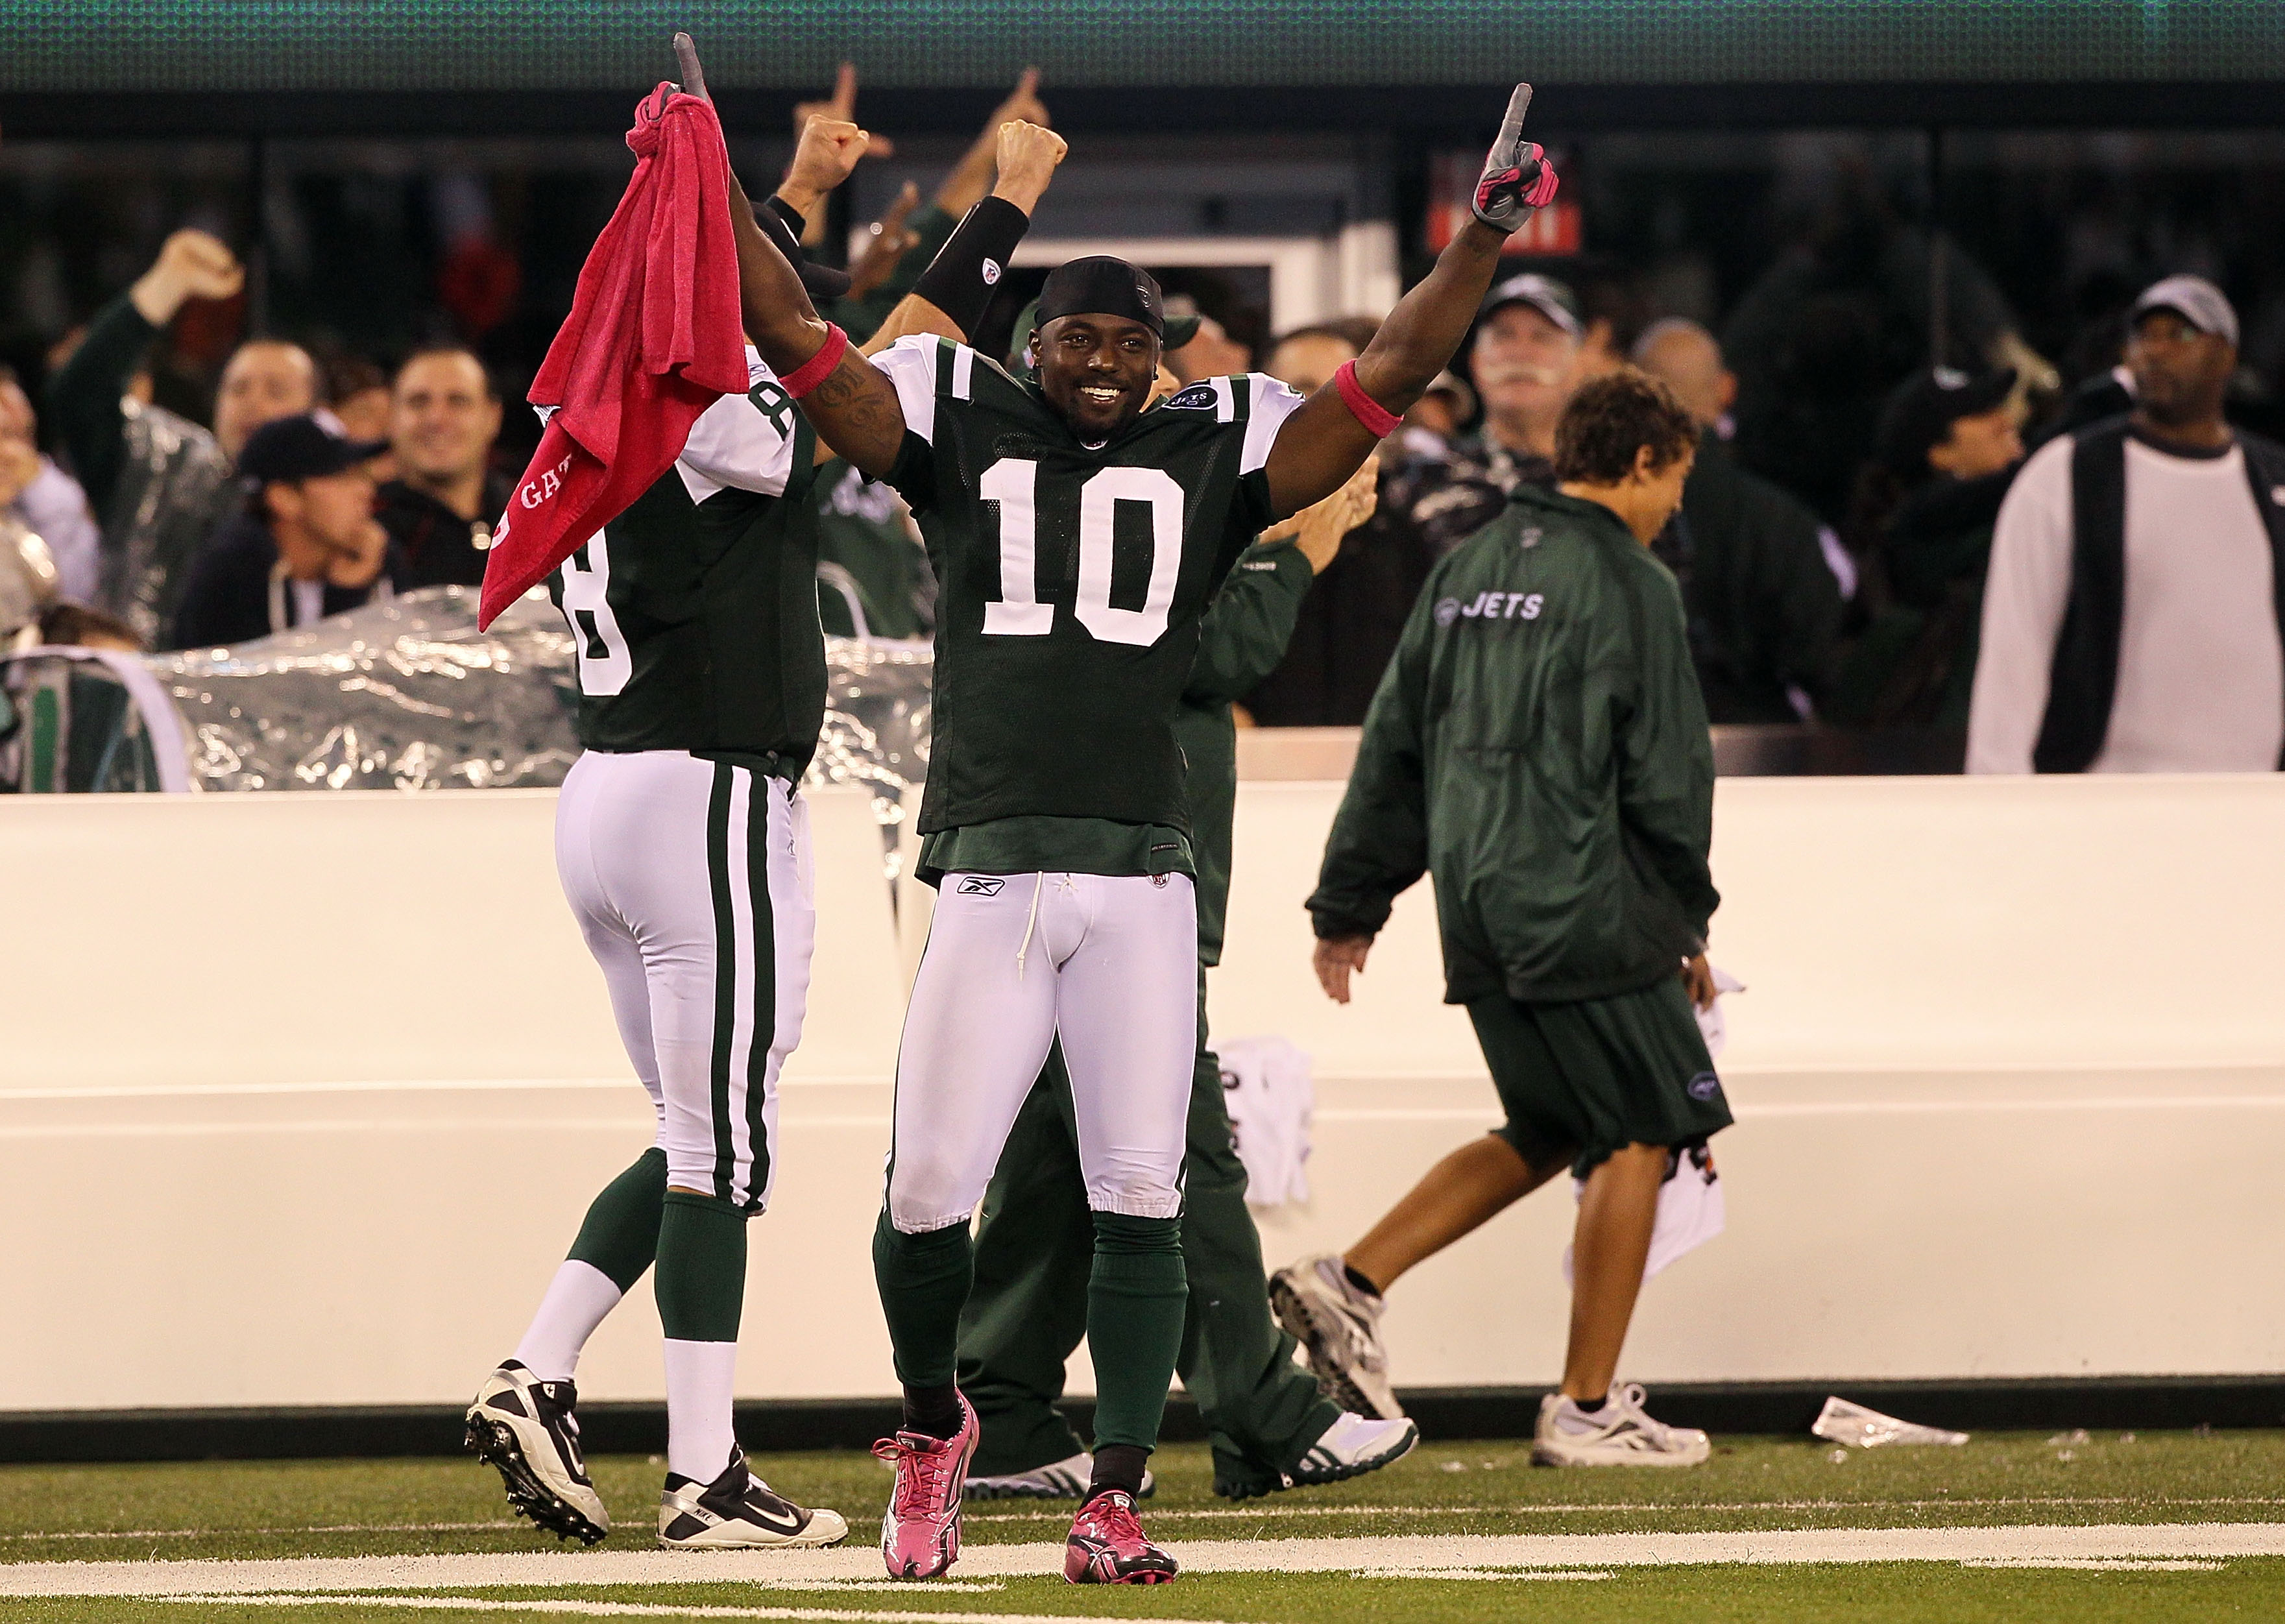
(1039, 883)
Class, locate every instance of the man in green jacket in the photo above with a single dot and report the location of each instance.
(1540, 748)
(1269, 1427)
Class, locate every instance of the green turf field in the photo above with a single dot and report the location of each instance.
(1736, 1539)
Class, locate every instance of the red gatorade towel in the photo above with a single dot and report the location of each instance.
(654, 338)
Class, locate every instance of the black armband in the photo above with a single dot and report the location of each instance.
(788, 213)
(782, 225)
(966, 271)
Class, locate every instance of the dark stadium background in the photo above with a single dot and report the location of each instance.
(2074, 149)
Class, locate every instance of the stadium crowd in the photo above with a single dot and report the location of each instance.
(1919, 548)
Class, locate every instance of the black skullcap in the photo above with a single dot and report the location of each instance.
(1102, 286)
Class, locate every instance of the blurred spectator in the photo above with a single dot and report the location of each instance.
(440, 508)
(27, 583)
(868, 551)
(304, 545)
(74, 625)
(1449, 404)
(1756, 571)
(1211, 353)
(1948, 444)
(1611, 305)
(46, 499)
(360, 397)
(2131, 621)
(1832, 326)
(1526, 361)
(1350, 623)
(908, 239)
(1307, 359)
(158, 484)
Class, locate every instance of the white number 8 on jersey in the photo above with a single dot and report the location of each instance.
(605, 664)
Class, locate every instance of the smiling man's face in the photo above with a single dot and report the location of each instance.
(1097, 371)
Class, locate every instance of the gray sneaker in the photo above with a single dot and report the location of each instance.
(1338, 1328)
(1618, 1435)
(1353, 1445)
(1063, 1479)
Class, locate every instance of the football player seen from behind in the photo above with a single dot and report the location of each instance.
(680, 841)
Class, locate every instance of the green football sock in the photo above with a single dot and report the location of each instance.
(620, 1235)
(1135, 1303)
(702, 1267)
(923, 1280)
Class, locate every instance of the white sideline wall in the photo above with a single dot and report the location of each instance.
(303, 1096)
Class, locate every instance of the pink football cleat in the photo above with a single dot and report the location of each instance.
(1107, 1545)
(920, 1532)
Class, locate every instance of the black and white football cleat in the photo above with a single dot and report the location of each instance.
(524, 1429)
(1063, 1479)
(738, 1511)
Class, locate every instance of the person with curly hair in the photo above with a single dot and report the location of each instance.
(1539, 749)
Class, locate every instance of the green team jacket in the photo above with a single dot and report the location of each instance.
(1538, 745)
(1241, 641)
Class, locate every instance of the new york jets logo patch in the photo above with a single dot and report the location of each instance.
(1448, 610)
(1197, 397)
(1705, 1085)
(979, 885)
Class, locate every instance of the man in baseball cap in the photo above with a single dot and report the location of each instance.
(1946, 422)
(2195, 300)
(2130, 623)
(1551, 299)
(304, 545)
(1526, 358)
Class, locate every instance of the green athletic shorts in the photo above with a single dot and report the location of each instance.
(1589, 1077)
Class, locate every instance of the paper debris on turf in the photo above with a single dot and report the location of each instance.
(1868, 1429)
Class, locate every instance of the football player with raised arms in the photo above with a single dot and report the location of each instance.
(682, 842)
(1077, 539)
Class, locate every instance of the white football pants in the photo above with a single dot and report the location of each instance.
(691, 881)
(1111, 961)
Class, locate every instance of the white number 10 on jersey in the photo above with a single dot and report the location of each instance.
(1013, 483)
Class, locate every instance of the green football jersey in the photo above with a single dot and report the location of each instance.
(695, 611)
(1071, 580)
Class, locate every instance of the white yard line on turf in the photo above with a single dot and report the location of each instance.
(637, 1610)
(200, 1534)
(1259, 1509)
(1483, 1572)
(2099, 1566)
(1265, 1509)
(1409, 1552)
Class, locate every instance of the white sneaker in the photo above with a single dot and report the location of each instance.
(1352, 1447)
(738, 1511)
(1339, 1327)
(524, 1429)
(1618, 1435)
(1063, 1479)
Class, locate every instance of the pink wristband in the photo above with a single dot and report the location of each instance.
(1379, 420)
(820, 366)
